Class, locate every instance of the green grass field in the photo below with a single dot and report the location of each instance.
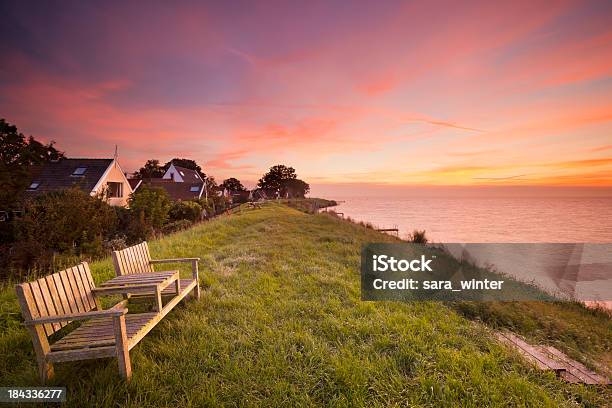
(281, 323)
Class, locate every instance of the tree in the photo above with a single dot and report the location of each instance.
(151, 169)
(274, 179)
(186, 163)
(62, 221)
(185, 210)
(151, 204)
(295, 188)
(232, 185)
(18, 156)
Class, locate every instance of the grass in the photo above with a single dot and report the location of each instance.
(281, 323)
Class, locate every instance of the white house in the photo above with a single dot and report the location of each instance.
(182, 175)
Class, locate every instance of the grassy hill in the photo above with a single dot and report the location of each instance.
(280, 323)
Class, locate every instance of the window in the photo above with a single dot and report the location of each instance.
(115, 190)
(34, 185)
(79, 171)
(195, 189)
(182, 174)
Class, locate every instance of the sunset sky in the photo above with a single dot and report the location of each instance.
(399, 93)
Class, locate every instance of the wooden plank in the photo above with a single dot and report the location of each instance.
(532, 353)
(128, 264)
(137, 260)
(158, 316)
(82, 354)
(76, 316)
(130, 260)
(76, 293)
(84, 272)
(68, 291)
(60, 295)
(121, 262)
(122, 349)
(46, 293)
(139, 277)
(145, 245)
(82, 291)
(124, 270)
(81, 288)
(196, 277)
(145, 258)
(37, 332)
(134, 260)
(40, 305)
(169, 290)
(84, 344)
(577, 369)
(158, 299)
(92, 285)
(120, 290)
(118, 271)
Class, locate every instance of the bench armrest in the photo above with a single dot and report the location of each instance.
(175, 260)
(76, 316)
(194, 265)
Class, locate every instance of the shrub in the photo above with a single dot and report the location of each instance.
(151, 206)
(133, 225)
(115, 243)
(185, 210)
(418, 237)
(68, 221)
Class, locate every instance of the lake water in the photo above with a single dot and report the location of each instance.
(488, 219)
(583, 272)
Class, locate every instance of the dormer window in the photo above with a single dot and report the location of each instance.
(194, 189)
(34, 185)
(182, 174)
(79, 171)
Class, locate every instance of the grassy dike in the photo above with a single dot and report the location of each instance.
(281, 323)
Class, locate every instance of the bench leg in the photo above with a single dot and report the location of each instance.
(121, 346)
(41, 347)
(196, 277)
(45, 371)
(158, 300)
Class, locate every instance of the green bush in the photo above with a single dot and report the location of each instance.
(151, 206)
(69, 221)
(185, 210)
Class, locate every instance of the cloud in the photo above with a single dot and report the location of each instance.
(420, 92)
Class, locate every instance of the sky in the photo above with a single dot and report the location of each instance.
(351, 94)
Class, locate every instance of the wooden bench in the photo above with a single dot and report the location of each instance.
(137, 260)
(49, 304)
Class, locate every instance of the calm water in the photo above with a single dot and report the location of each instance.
(488, 219)
(582, 272)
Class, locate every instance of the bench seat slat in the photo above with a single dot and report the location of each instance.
(102, 329)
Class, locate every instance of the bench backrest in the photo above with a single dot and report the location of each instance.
(134, 259)
(64, 292)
